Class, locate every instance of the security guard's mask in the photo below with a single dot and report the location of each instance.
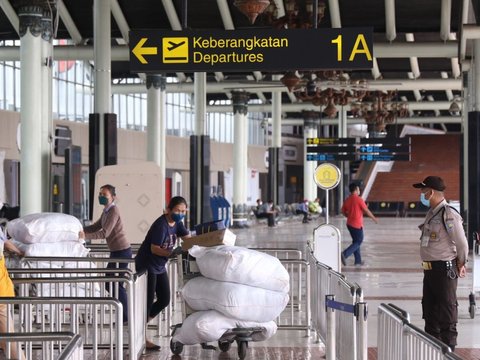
(424, 200)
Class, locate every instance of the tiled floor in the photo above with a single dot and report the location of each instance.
(391, 275)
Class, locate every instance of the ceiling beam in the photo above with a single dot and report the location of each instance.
(120, 20)
(297, 107)
(388, 84)
(445, 16)
(334, 10)
(69, 23)
(11, 14)
(390, 24)
(399, 121)
(381, 50)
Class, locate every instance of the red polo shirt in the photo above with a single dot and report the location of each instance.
(353, 207)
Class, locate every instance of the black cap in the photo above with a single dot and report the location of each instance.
(433, 182)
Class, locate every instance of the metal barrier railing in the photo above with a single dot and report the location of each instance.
(67, 311)
(52, 345)
(296, 315)
(344, 332)
(282, 254)
(92, 285)
(398, 339)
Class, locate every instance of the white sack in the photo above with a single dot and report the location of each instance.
(208, 326)
(61, 249)
(238, 301)
(243, 266)
(45, 227)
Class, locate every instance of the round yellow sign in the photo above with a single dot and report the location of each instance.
(327, 176)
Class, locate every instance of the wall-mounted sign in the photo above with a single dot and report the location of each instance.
(251, 49)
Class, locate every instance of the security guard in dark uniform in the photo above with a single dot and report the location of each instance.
(444, 252)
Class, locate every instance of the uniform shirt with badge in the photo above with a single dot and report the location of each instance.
(443, 237)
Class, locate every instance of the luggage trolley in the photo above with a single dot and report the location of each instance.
(476, 274)
(187, 269)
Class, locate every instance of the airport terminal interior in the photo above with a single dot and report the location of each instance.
(227, 102)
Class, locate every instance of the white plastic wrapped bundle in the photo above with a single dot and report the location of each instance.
(61, 249)
(237, 301)
(45, 227)
(208, 326)
(243, 266)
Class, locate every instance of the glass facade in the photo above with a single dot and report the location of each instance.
(72, 99)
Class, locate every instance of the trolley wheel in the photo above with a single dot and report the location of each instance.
(472, 307)
(224, 346)
(176, 347)
(242, 349)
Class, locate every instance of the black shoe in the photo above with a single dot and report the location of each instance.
(153, 348)
(344, 260)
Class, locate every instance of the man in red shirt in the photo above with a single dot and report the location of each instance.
(353, 208)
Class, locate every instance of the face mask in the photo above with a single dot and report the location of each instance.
(424, 201)
(177, 217)
(102, 200)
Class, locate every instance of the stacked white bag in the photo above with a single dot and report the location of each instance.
(51, 235)
(48, 234)
(240, 287)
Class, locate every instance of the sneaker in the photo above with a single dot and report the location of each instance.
(360, 264)
(344, 260)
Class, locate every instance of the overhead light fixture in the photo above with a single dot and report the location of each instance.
(455, 108)
(251, 8)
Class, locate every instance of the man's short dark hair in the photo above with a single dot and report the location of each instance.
(352, 187)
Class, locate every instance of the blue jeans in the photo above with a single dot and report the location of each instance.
(122, 293)
(357, 239)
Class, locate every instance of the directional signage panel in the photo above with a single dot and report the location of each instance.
(349, 149)
(251, 49)
(330, 157)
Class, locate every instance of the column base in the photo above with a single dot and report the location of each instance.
(239, 216)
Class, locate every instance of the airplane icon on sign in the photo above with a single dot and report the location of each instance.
(173, 45)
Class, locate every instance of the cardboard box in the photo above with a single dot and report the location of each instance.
(213, 238)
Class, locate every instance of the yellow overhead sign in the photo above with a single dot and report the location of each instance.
(251, 49)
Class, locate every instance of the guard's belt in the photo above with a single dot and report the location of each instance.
(438, 265)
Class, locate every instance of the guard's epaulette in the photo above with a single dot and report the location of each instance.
(444, 220)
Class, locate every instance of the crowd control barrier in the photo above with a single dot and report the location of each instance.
(89, 282)
(344, 331)
(95, 334)
(51, 345)
(398, 339)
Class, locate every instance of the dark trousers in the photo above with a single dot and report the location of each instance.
(122, 293)
(157, 284)
(305, 214)
(270, 218)
(357, 239)
(439, 306)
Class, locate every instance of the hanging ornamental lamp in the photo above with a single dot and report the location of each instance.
(251, 8)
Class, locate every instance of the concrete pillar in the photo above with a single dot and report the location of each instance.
(311, 120)
(156, 114)
(273, 191)
(102, 68)
(31, 27)
(47, 116)
(200, 91)
(240, 157)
